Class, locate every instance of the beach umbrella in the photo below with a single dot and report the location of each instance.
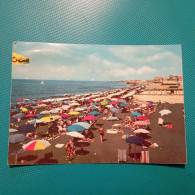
(85, 102)
(30, 115)
(112, 102)
(16, 110)
(135, 140)
(75, 134)
(56, 116)
(136, 108)
(26, 128)
(74, 104)
(78, 109)
(90, 100)
(142, 105)
(45, 112)
(164, 112)
(83, 124)
(75, 128)
(12, 130)
(65, 102)
(53, 111)
(109, 106)
(121, 101)
(141, 131)
(35, 107)
(115, 110)
(20, 100)
(85, 108)
(36, 121)
(151, 102)
(103, 103)
(36, 145)
(126, 136)
(95, 104)
(12, 120)
(88, 118)
(24, 109)
(141, 123)
(40, 115)
(142, 118)
(48, 119)
(74, 113)
(111, 118)
(16, 152)
(66, 115)
(65, 107)
(19, 115)
(136, 114)
(16, 138)
(123, 105)
(94, 113)
(93, 107)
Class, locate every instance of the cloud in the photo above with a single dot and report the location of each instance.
(128, 72)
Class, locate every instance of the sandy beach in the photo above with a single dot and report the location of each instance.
(170, 149)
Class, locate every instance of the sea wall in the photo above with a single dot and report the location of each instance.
(164, 98)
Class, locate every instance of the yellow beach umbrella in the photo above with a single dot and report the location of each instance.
(48, 119)
(24, 109)
(74, 113)
(103, 103)
(18, 59)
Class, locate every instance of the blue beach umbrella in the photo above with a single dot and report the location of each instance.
(107, 101)
(16, 110)
(75, 128)
(135, 140)
(94, 113)
(26, 128)
(115, 110)
(136, 114)
(112, 118)
(123, 105)
(19, 115)
(83, 124)
(95, 104)
(12, 120)
(151, 102)
(16, 138)
(40, 116)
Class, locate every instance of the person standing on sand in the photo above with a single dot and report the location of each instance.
(101, 131)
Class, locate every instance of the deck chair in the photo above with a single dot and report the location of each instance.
(122, 156)
(112, 131)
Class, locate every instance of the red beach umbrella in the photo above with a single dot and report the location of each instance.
(88, 118)
(142, 118)
(90, 100)
(66, 115)
(112, 102)
(30, 115)
(20, 100)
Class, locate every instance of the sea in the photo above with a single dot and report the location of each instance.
(33, 89)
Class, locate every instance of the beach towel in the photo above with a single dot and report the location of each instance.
(122, 156)
(145, 157)
(112, 131)
(59, 145)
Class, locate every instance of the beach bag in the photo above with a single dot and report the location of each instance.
(145, 157)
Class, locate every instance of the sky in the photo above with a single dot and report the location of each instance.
(53, 61)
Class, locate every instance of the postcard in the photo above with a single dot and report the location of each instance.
(75, 103)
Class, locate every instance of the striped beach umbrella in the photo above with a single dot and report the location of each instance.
(36, 145)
